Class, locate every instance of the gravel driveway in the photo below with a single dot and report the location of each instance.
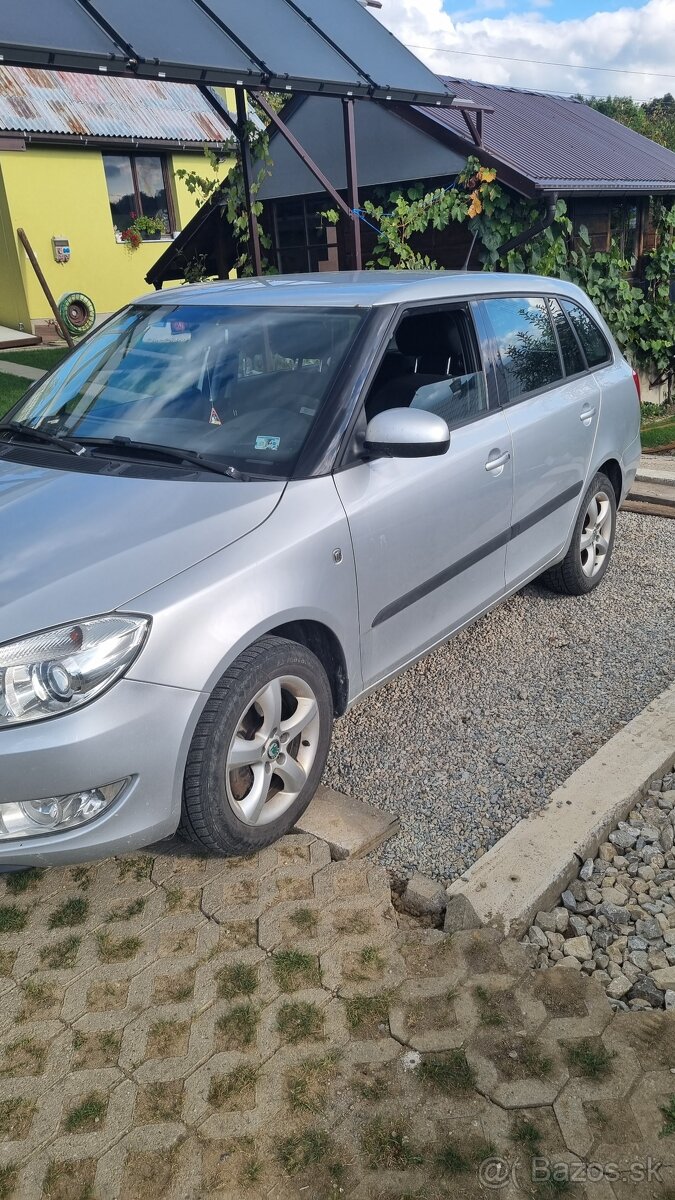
(478, 734)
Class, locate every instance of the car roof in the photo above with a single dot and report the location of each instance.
(352, 289)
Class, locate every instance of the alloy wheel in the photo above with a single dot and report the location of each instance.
(272, 751)
(596, 534)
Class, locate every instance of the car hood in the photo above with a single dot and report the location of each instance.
(74, 544)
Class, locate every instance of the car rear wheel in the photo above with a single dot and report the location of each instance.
(586, 562)
(259, 749)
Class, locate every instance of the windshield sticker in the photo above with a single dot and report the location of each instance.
(265, 442)
(214, 419)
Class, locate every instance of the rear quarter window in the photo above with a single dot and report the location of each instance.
(595, 344)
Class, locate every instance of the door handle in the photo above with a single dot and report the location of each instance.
(496, 464)
(586, 415)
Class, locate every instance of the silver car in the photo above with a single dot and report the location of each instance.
(237, 508)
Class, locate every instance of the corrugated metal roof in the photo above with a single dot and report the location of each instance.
(35, 101)
(561, 144)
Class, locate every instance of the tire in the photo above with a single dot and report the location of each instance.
(249, 776)
(586, 562)
(77, 312)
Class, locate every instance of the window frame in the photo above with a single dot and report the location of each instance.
(132, 155)
(505, 402)
(606, 362)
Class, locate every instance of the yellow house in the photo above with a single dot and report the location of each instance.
(82, 157)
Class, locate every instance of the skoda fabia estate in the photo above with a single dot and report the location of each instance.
(236, 508)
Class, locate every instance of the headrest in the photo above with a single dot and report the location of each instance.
(427, 333)
(295, 338)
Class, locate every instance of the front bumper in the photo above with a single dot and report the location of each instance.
(136, 730)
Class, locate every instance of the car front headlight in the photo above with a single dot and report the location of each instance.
(63, 668)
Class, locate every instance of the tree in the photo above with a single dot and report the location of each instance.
(654, 119)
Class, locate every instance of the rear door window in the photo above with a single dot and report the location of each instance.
(526, 344)
(594, 342)
(571, 351)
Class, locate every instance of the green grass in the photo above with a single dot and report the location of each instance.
(387, 1146)
(526, 1134)
(21, 881)
(593, 1062)
(307, 1084)
(305, 920)
(12, 1111)
(450, 1074)
(8, 1176)
(72, 912)
(43, 359)
(453, 1159)
(668, 1111)
(12, 918)
(112, 949)
(361, 1009)
(224, 1087)
(303, 1150)
(298, 1021)
(488, 1007)
(61, 955)
(658, 431)
(293, 970)
(86, 1114)
(239, 979)
(11, 390)
(128, 911)
(239, 1025)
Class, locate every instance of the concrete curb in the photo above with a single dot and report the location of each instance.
(528, 869)
(22, 372)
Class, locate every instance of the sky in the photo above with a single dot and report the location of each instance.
(636, 40)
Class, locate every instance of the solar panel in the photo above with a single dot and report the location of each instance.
(331, 46)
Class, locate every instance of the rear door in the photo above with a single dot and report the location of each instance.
(429, 534)
(551, 403)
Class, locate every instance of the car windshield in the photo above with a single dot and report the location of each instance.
(240, 385)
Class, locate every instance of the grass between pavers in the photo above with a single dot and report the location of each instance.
(226, 1087)
(8, 1178)
(300, 1020)
(237, 979)
(72, 912)
(591, 1059)
(44, 358)
(60, 955)
(294, 970)
(449, 1073)
(238, 1026)
(668, 1111)
(12, 918)
(308, 1084)
(24, 881)
(387, 1147)
(87, 1114)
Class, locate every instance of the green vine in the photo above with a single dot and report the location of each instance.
(231, 192)
(641, 318)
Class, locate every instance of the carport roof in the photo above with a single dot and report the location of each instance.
(334, 47)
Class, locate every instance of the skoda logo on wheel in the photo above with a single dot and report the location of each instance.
(273, 750)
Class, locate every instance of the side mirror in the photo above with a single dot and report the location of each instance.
(407, 433)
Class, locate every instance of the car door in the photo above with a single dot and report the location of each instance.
(429, 534)
(551, 404)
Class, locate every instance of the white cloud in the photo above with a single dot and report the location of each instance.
(630, 39)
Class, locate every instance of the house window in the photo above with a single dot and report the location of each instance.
(300, 240)
(138, 186)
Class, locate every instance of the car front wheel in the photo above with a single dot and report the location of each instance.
(590, 550)
(259, 749)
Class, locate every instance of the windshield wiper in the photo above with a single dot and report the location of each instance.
(150, 450)
(31, 433)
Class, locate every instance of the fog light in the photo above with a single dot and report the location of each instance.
(56, 813)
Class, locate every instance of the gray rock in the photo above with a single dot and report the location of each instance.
(578, 924)
(460, 914)
(546, 921)
(639, 959)
(577, 889)
(637, 943)
(618, 987)
(667, 838)
(615, 914)
(424, 897)
(578, 947)
(586, 871)
(644, 989)
(625, 837)
(648, 929)
(670, 1000)
(537, 937)
(569, 900)
(562, 919)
